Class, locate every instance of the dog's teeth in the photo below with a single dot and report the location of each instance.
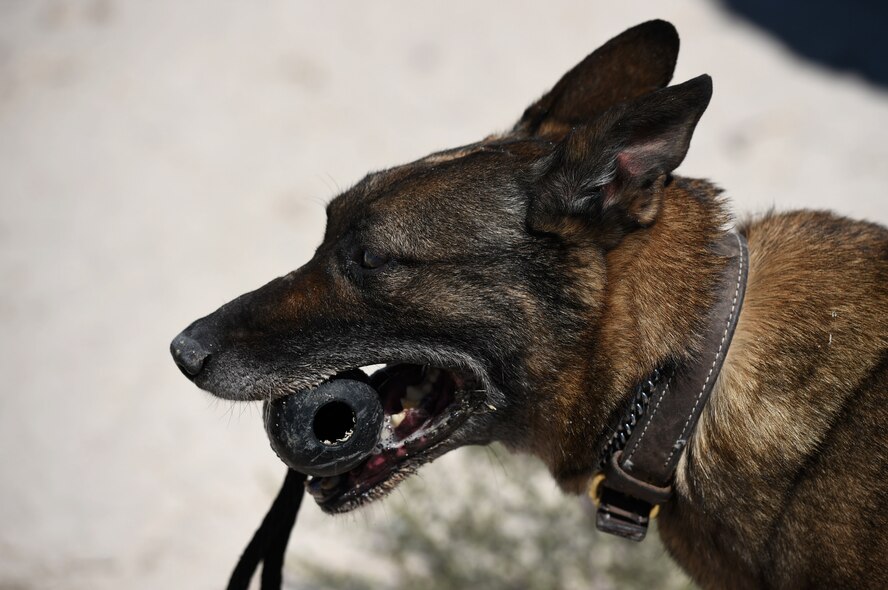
(396, 419)
(370, 369)
(409, 404)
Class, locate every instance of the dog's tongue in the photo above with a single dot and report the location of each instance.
(327, 430)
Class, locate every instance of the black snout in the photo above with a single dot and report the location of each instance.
(189, 354)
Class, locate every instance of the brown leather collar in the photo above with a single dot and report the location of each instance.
(638, 463)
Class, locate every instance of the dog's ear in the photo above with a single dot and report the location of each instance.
(610, 175)
(632, 64)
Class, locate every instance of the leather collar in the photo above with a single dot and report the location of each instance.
(638, 463)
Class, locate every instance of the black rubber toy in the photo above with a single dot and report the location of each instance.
(327, 430)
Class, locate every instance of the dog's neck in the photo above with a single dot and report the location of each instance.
(661, 282)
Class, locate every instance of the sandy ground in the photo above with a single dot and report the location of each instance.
(158, 158)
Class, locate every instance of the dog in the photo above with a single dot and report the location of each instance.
(527, 283)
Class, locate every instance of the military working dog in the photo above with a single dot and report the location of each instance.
(528, 282)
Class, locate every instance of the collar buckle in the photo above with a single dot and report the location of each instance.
(626, 505)
(624, 516)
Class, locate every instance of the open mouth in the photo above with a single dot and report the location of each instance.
(423, 406)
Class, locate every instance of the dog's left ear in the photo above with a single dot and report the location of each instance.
(611, 175)
(635, 62)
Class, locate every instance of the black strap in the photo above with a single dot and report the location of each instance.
(269, 542)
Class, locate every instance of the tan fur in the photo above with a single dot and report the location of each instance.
(811, 334)
(812, 328)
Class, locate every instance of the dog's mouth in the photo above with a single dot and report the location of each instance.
(424, 405)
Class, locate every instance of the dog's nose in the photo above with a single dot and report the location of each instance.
(189, 354)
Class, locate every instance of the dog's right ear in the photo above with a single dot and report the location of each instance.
(638, 61)
(609, 177)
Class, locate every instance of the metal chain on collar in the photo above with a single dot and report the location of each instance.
(638, 407)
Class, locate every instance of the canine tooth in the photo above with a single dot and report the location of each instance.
(370, 369)
(396, 419)
(492, 407)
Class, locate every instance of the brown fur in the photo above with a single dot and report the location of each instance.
(797, 420)
(561, 262)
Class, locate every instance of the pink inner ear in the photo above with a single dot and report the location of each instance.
(641, 158)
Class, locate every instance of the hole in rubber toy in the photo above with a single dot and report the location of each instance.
(326, 430)
(334, 423)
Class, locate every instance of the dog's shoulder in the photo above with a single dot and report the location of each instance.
(798, 404)
(811, 260)
(817, 302)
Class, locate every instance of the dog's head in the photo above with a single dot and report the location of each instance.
(478, 275)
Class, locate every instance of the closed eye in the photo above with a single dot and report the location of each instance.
(370, 260)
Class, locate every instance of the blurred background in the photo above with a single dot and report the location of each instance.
(158, 158)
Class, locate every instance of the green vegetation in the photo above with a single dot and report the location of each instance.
(500, 524)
